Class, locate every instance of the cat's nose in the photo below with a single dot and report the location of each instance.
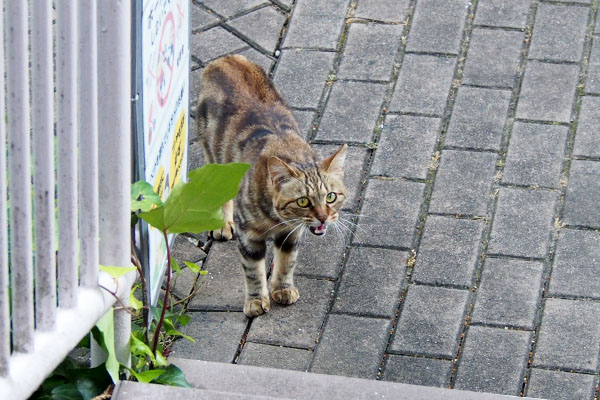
(322, 217)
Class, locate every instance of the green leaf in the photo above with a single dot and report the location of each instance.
(106, 339)
(143, 197)
(170, 330)
(140, 348)
(156, 311)
(193, 266)
(183, 319)
(67, 391)
(195, 206)
(175, 266)
(161, 361)
(133, 301)
(173, 376)
(147, 376)
(116, 272)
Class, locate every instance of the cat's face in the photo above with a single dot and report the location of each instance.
(310, 197)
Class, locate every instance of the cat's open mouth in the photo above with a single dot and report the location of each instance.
(318, 230)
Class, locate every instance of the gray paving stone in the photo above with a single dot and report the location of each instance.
(351, 346)
(540, 101)
(201, 18)
(569, 335)
(437, 26)
(431, 321)
(382, 10)
(352, 112)
(354, 170)
(582, 194)
(535, 154)
(559, 32)
(264, 355)
(417, 371)
(493, 360)
(463, 182)
(493, 57)
(577, 264)
(184, 250)
(257, 57)
(304, 119)
(597, 30)
(406, 145)
(262, 26)
(223, 286)
(478, 118)
(508, 293)
(217, 336)
(423, 84)
(195, 86)
(316, 24)
(449, 251)
(387, 200)
(557, 385)
(506, 13)
(522, 223)
(371, 283)
(369, 51)
(301, 75)
(587, 141)
(321, 256)
(592, 84)
(296, 325)
(230, 8)
(215, 42)
(195, 150)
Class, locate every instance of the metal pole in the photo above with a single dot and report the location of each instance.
(114, 110)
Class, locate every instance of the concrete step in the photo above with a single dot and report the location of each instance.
(228, 381)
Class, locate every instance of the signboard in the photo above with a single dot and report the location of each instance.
(162, 112)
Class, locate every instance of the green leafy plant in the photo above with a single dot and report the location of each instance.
(193, 206)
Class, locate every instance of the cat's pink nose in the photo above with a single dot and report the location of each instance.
(322, 217)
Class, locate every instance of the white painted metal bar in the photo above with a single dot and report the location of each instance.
(88, 142)
(17, 71)
(42, 90)
(28, 370)
(114, 71)
(66, 125)
(4, 277)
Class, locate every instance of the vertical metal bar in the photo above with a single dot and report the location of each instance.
(42, 90)
(17, 69)
(4, 279)
(88, 142)
(114, 110)
(66, 124)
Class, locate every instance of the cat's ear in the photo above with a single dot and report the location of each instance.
(335, 163)
(279, 169)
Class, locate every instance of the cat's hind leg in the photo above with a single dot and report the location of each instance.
(226, 232)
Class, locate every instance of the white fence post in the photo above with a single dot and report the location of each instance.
(4, 279)
(17, 88)
(114, 141)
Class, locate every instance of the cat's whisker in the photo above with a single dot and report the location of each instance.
(354, 224)
(340, 236)
(286, 222)
(339, 221)
(292, 231)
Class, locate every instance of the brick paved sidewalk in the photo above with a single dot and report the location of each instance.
(474, 172)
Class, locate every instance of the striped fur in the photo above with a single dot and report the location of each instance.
(242, 118)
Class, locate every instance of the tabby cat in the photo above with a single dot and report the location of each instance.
(243, 118)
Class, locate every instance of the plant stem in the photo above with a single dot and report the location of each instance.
(166, 300)
(146, 310)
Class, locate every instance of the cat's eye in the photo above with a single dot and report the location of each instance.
(331, 197)
(303, 202)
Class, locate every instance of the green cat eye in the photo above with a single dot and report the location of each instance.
(303, 202)
(331, 197)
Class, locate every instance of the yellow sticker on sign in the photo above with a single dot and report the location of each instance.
(178, 149)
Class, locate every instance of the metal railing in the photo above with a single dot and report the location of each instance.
(59, 120)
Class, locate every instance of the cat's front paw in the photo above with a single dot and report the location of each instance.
(225, 233)
(286, 295)
(256, 306)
